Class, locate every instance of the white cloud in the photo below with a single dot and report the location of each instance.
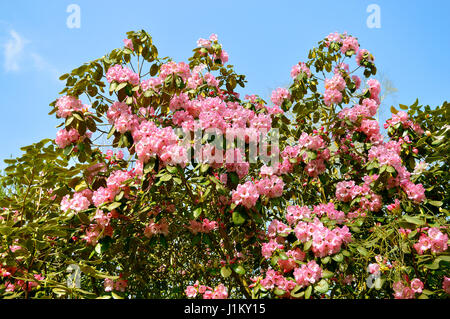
(17, 57)
(42, 65)
(14, 51)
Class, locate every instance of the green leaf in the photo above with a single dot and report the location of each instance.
(394, 110)
(308, 292)
(98, 248)
(83, 218)
(68, 149)
(307, 245)
(362, 251)
(204, 168)
(115, 296)
(445, 258)
(111, 132)
(225, 272)
(321, 286)
(338, 257)
(378, 283)
(279, 292)
(165, 178)
(435, 203)
(434, 265)
(197, 212)
(327, 274)
(154, 69)
(114, 205)
(121, 86)
(239, 269)
(172, 169)
(238, 218)
(113, 86)
(414, 220)
(297, 292)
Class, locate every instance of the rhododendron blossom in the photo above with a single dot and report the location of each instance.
(177, 182)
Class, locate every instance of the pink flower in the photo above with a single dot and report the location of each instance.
(68, 104)
(220, 292)
(156, 228)
(128, 44)
(121, 285)
(14, 248)
(190, 292)
(334, 37)
(224, 56)
(270, 187)
(108, 284)
(357, 81)
(66, 137)
(332, 97)
(375, 89)
(213, 37)
(363, 54)
(344, 191)
(203, 43)
(337, 82)
(245, 194)
(417, 285)
(181, 69)
(374, 269)
(120, 74)
(308, 274)
(446, 284)
(299, 68)
(350, 44)
(279, 95)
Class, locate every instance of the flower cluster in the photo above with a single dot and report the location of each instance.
(347, 191)
(308, 274)
(245, 194)
(207, 44)
(295, 154)
(270, 187)
(115, 183)
(120, 74)
(181, 69)
(118, 285)
(101, 228)
(153, 228)
(67, 105)
(274, 279)
(363, 55)
(402, 119)
(279, 95)
(333, 89)
(66, 137)
(219, 292)
(324, 241)
(431, 238)
(80, 201)
(205, 226)
(299, 68)
(402, 291)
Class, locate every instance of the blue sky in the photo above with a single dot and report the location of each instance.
(263, 38)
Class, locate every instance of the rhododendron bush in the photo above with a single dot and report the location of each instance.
(164, 182)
